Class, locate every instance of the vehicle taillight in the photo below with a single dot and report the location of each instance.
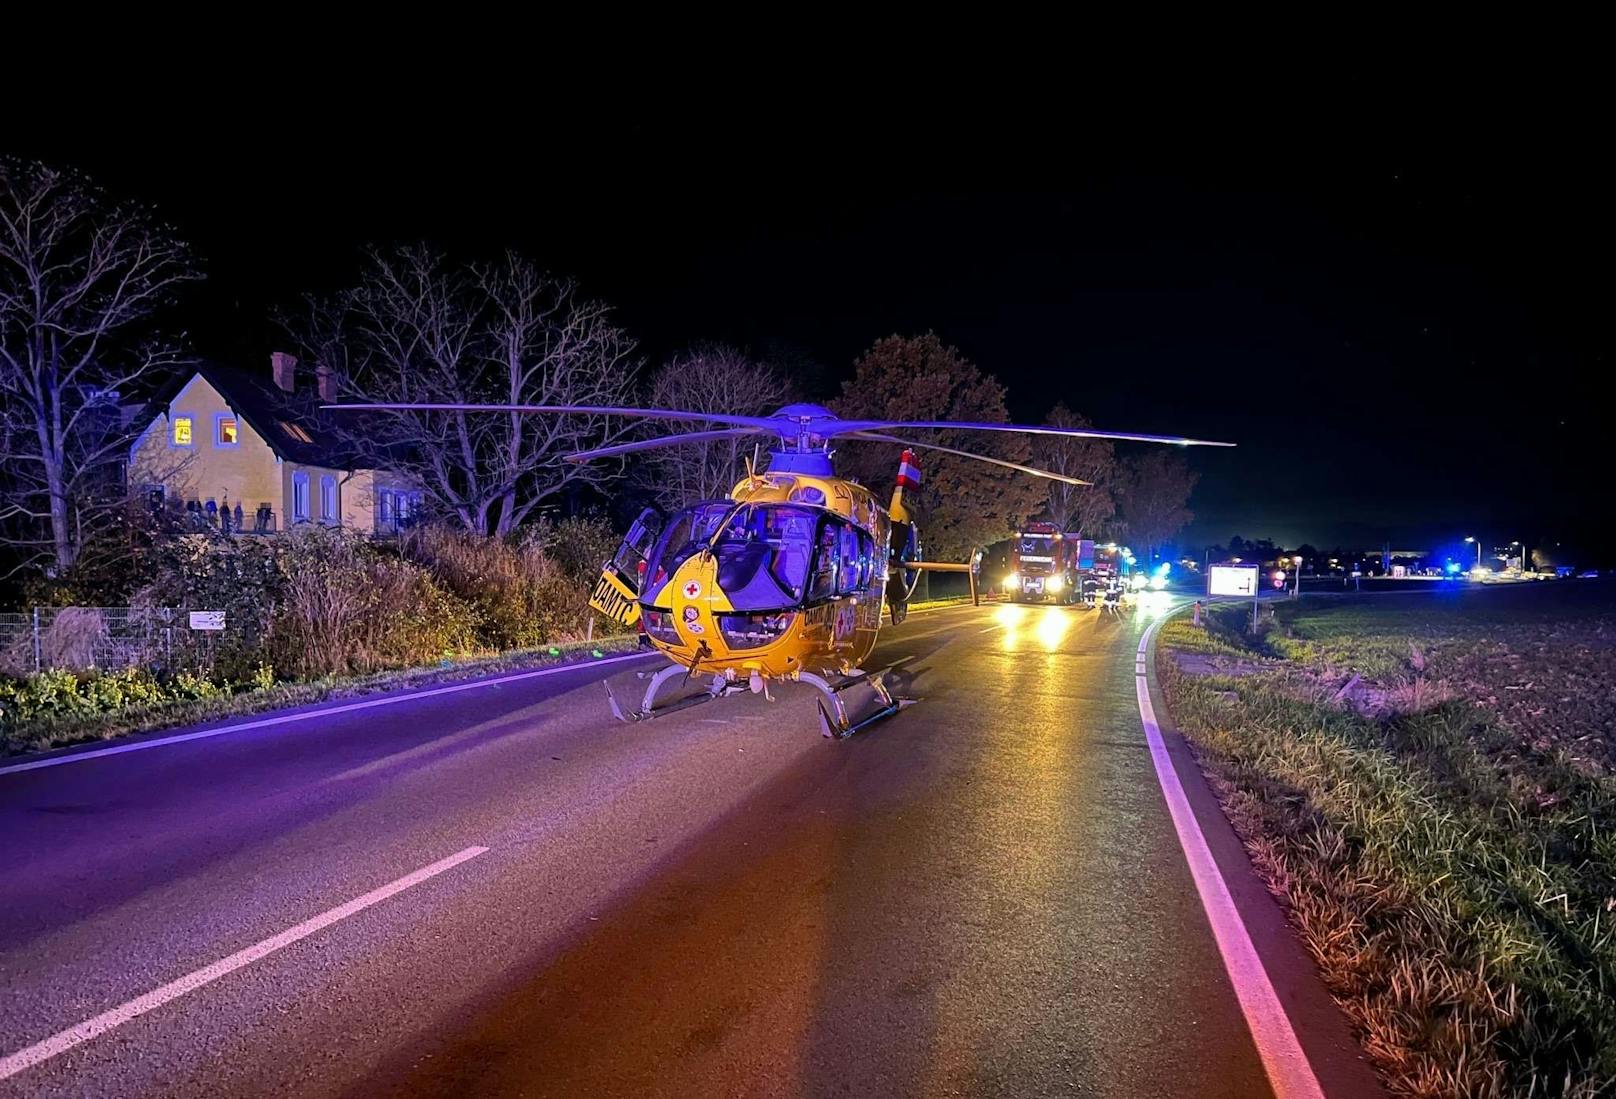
(753, 631)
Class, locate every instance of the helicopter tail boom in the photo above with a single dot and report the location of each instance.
(908, 477)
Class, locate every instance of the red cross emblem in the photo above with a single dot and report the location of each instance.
(692, 590)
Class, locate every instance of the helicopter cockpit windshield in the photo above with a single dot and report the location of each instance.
(763, 552)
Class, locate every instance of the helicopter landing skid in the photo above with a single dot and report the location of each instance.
(856, 702)
(648, 709)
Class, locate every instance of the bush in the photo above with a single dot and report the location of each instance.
(523, 597)
(115, 690)
(46, 694)
(117, 559)
(54, 695)
(421, 623)
(347, 606)
(244, 577)
(579, 544)
(316, 602)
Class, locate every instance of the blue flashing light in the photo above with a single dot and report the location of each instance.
(1452, 568)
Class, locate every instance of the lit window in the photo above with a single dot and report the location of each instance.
(328, 499)
(300, 497)
(224, 430)
(182, 431)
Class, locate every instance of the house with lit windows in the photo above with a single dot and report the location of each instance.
(255, 454)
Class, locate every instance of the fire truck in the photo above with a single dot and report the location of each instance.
(1109, 563)
(1044, 566)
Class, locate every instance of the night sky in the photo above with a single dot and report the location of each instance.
(1407, 338)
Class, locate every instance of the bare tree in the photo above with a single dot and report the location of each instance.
(418, 328)
(709, 378)
(80, 280)
(1077, 507)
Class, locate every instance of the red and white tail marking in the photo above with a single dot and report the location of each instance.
(908, 472)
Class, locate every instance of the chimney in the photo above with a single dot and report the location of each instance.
(326, 379)
(284, 368)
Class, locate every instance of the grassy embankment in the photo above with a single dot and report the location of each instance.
(45, 732)
(75, 725)
(1443, 831)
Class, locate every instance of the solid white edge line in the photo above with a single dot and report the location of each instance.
(309, 715)
(1289, 1072)
(64, 1040)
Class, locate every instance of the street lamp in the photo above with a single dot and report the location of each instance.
(1296, 592)
(1523, 554)
(1478, 550)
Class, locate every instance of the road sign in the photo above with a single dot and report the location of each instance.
(1232, 580)
(207, 620)
(1238, 580)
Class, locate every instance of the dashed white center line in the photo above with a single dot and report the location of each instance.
(64, 1040)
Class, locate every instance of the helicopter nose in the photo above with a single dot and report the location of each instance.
(690, 606)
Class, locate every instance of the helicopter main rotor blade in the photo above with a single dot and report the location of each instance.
(757, 422)
(1018, 467)
(848, 427)
(666, 440)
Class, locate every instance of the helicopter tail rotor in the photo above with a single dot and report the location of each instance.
(901, 576)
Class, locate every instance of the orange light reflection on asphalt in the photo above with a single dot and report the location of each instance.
(1054, 625)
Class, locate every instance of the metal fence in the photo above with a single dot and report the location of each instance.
(104, 638)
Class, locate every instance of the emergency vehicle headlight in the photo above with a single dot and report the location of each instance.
(753, 631)
(659, 626)
(1013, 580)
(1052, 584)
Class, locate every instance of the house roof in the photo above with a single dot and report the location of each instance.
(293, 424)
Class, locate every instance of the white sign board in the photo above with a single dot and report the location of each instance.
(1232, 580)
(207, 620)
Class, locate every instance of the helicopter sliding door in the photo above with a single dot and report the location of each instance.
(617, 592)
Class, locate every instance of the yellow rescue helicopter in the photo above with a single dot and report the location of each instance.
(787, 578)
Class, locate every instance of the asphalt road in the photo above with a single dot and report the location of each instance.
(981, 896)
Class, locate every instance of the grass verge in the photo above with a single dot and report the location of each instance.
(1451, 867)
(48, 733)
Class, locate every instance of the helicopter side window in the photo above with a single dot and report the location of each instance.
(789, 531)
(822, 585)
(763, 556)
(849, 575)
(685, 535)
(637, 543)
(866, 559)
